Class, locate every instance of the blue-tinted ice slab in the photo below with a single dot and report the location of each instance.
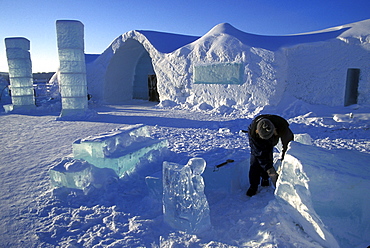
(121, 149)
(71, 173)
(322, 189)
(185, 206)
(79, 174)
(220, 73)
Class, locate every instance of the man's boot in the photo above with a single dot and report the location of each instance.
(265, 182)
(252, 190)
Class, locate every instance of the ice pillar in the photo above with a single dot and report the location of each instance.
(185, 206)
(20, 72)
(72, 71)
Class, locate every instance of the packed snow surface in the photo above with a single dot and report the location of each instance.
(331, 172)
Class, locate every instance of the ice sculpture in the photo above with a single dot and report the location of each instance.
(121, 149)
(20, 72)
(185, 206)
(72, 71)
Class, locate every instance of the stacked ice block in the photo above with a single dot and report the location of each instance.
(72, 71)
(20, 72)
(79, 174)
(121, 149)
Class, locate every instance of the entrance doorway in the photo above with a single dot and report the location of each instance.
(351, 93)
(152, 86)
(127, 77)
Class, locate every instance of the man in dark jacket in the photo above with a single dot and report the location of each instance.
(264, 133)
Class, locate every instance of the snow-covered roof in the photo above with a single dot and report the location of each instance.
(168, 42)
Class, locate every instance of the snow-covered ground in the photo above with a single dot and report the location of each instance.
(124, 214)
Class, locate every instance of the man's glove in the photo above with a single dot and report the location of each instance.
(273, 175)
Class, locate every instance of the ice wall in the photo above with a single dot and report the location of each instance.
(185, 206)
(322, 189)
(20, 72)
(72, 71)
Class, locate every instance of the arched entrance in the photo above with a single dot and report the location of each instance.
(127, 75)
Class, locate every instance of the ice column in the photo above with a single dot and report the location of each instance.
(185, 206)
(72, 71)
(20, 72)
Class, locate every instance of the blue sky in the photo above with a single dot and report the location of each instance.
(106, 20)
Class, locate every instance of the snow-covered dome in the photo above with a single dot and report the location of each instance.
(245, 71)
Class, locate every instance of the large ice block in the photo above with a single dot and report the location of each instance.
(72, 69)
(79, 174)
(185, 206)
(20, 72)
(71, 173)
(121, 149)
(322, 189)
(70, 34)
(220, 73)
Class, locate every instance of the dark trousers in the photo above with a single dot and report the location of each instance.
(256, 171)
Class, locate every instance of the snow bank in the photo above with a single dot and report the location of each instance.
(325, 192)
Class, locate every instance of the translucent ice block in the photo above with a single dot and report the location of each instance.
(19, 63)
(20, 72)
(220, 73)
(21, 81)
(23, 101)
(185, 206)
(18, 43)
(14, 53)
(69, 54)
(121, 149)
(78, 103)
(21, 91)
(70, 34)
(71, 173)
(79, 174)
(73, 91)
(72, 79)
(105, 144)
(72, 67)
